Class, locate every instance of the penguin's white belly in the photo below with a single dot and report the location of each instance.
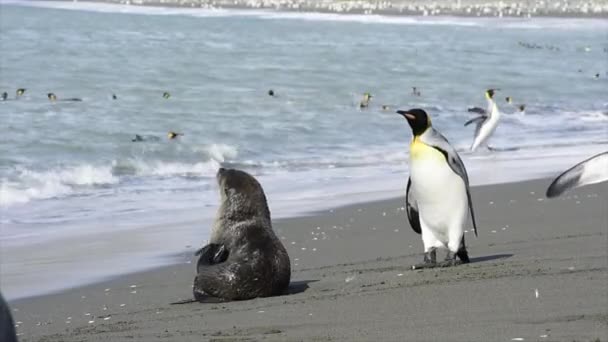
(439, 192)
(486, 130)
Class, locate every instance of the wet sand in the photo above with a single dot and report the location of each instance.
(539, 273)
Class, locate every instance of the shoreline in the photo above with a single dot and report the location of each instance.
(395, 8)
(357, 261)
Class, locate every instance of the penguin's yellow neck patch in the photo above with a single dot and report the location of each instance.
(421, 151)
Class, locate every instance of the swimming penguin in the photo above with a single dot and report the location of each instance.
(4, 96)
(114, 97)
(589, 171)
(166, 95)
(20, 92)
(486, 124)
(172, 135)
(52, 97)
(519, 109)
(438, 198)
(138, 138)
(385, 107)
(367, 97)
(270, 92)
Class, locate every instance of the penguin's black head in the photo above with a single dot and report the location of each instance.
(20, 91)
(51, 96)
(490, 93)
(270, 92)
(418, 119)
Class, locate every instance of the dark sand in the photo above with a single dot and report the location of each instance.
(539, 273)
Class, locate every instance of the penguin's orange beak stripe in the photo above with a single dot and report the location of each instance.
(410, 116)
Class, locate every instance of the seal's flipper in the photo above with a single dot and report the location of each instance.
(211, 254)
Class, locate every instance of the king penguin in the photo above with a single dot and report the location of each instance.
(7, 325)
(486, 124)
(589, 171)
(438, 199)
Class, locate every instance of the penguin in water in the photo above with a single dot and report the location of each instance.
(367, 97)
(166, 95)
(52, 97)
(589, 171)
(271, 93)
(20, 92)
(486, 123)
(4, 96)
(438, 198)
(519, 109)
(173, 135)
(7, 325)
(145, 138)
(114, 97)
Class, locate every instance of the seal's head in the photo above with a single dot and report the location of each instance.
(242, 197)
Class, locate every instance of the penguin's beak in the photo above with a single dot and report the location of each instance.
(406, 114)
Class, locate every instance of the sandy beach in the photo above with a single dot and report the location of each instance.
(538, 274)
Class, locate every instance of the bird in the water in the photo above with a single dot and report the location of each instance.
(114, 97)
(173, 135)
(486, 123)
(20, 92)
(52, 97)
(4, 96)
(367, 97)
(385, 107)
(137, 138)
(589, 171)
(519, 109)
(166, 95)
(270, 92)
(438, 198)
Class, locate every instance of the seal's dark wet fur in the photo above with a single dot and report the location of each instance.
(244, 258)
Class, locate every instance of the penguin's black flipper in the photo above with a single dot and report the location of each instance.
(478, 119)
(412, 209)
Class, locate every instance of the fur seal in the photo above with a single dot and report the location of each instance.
(244, 258)
(7, 326)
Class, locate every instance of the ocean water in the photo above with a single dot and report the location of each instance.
(79, 199)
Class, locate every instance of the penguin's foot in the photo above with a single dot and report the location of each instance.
(450, 260)
(430, 261)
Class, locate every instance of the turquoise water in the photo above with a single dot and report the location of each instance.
(70, 168)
